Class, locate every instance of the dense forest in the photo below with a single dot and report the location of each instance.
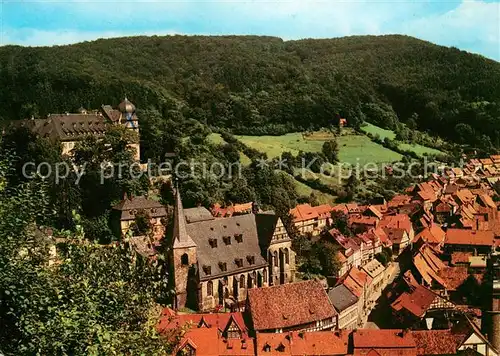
(258, 85)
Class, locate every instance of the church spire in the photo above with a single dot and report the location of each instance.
(181, 237)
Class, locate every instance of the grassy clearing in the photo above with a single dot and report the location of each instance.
(360, 149)
(375, 130)
(274, 146)
(352, 148)
(383, 133)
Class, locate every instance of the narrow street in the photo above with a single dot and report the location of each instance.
(368, 320)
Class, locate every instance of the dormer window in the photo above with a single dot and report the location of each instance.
(239, 262)
(251, 259)
(213, 242)
(238, 238)
(223, 266)
(227, 240)
(267, 347)
(207, 269)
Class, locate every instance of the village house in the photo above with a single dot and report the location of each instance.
(433, 235)
(376, 271)
(311, 219)
(216, 260)
(367, 342)
(399, 230)
(301, 306)
(463, 240)
(234, 209)
(464, 335)
(318, 343)
(131, 207)
(349, 252)
(360, 284)
(346, 305)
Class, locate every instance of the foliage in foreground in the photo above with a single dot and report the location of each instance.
(86, 300)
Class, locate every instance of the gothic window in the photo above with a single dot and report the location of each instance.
(185, 259)
(275, 258)
(242, 281)
(264, 274)
(287, 256)
(210, 288)
(223, 266)
(249, 282)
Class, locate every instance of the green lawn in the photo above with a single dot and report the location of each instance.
(383, 133)
(375, 130)
(274, 146)
(352, 148)
(360, 149)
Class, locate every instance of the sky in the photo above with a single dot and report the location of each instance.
(471, 25)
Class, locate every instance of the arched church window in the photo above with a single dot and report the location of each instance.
(210, 288)
(185, 259)
(287, 256)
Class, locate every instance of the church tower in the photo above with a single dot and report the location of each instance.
(128, 118)
(184, 257)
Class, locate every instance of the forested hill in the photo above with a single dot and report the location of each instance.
(263, 84)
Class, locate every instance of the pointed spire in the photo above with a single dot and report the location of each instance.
(181, 237)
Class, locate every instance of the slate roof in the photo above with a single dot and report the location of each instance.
(200, 232)
(197, 214)
(130, 206)
(70, 127)
(289, 305)
(341, 297)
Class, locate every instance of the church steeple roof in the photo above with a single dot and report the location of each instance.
(181, 237)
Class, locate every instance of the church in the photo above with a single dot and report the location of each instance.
(69, 128)
(215, 261)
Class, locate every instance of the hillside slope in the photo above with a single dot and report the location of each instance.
(263, 85)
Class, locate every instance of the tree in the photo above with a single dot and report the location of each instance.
(330, 151)
(340, 221)
(86, 299)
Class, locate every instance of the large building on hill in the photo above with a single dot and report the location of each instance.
(216, 260)
(69, 128)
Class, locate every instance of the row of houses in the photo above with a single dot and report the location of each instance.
(227, 334)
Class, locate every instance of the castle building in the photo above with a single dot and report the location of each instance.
(69, 128)
(216, 260)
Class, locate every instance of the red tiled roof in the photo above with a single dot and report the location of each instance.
(399, 221)
(417, 301)
(436, 342)
(460, 257)
(219, 211)
(289, 305)
(433, 234)
(303, 343)
(363, 220)
(303, 212)
(469, 237)
(453, 277)
(171, 320)
(355, 280)
(382, 339)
